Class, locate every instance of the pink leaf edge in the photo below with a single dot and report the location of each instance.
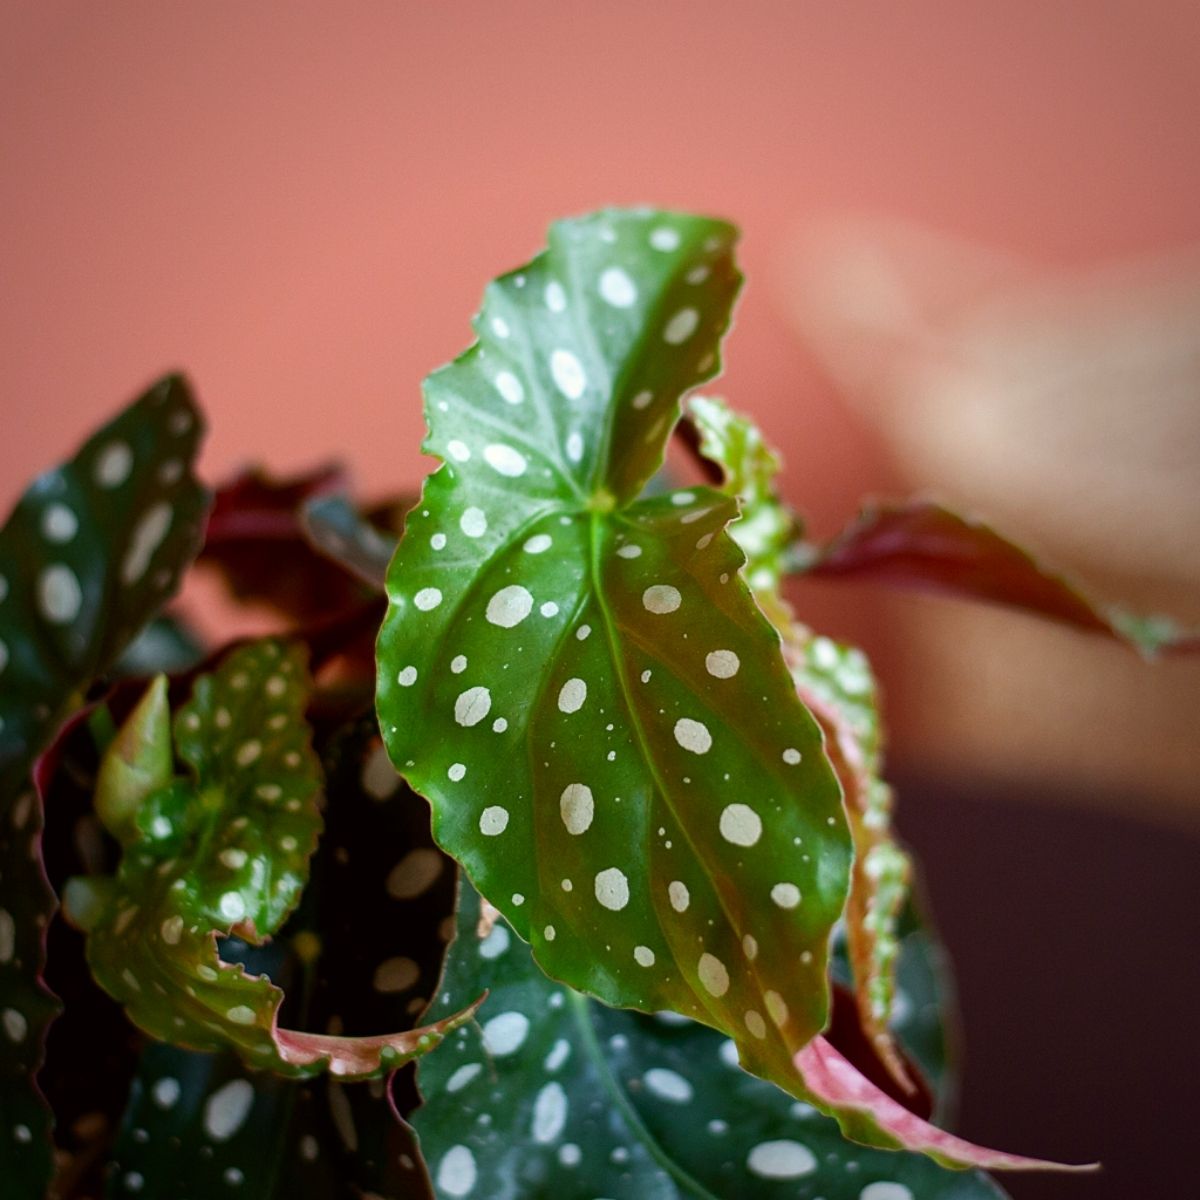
(361, 1057)
(834, 1081)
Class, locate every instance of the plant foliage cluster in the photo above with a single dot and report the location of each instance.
(540, 784)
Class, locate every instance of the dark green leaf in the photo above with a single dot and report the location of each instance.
(222, 851)
(925, 546)
(320, 1138)
(581, 682)
(88, 556)
(554, 1095)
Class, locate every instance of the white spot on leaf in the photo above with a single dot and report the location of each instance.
(146, 539)
(59, 595)
(505, 1033)
(511, 390)
(549, 1113)
(693, 735)
(668, 1085)
(740, 824)
(661, 598)
(456, 1173)
(226, 1109)
(612, 889)
(722, 664)
(713, 974)
(493, 821)
(616, 288)
(681, 326)
(783, 1159)
(572, 695)
(472, 706)
(473, 522)
(577, 807)
(568, 374)
(505, 459)
(510, 606)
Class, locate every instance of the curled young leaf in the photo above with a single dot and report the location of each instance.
(925, 546)
(224, 850)
(867, 1114)
(580, 681)
(90, 553)
(552, 1094)
(767, 527)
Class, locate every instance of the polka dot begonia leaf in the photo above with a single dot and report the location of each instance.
(363, 951)
(91, 552)
(222, 851)
(552, 1094)
(836, 684)
(580, 680)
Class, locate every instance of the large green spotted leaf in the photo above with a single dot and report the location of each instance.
(223, 850)
(555, 1096)
(580, 681)
(90, 553)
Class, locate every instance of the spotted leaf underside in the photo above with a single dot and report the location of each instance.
(202, 1125)
(221, 850)
(924, 546)
(552, 1094)
(89, 555)
(580, 681)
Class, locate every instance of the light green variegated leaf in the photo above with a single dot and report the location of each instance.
(224, 850)
(554, 1095)
(580, 681)
(767, 526)
(91, 552)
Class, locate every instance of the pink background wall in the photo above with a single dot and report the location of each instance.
(300, 203)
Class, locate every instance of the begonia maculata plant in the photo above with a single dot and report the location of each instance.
(542, 850)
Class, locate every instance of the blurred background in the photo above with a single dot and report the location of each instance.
(972, 241)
